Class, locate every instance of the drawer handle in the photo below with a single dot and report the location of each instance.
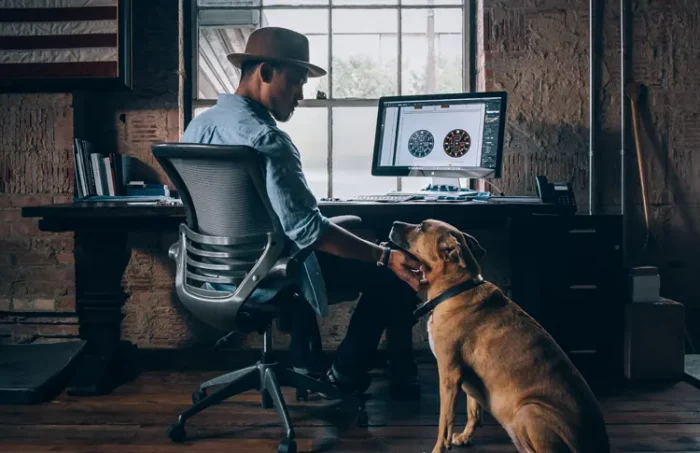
(583, 287)
(583, 231)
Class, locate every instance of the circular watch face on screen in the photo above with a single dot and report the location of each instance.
(457, 143)
(420, 144)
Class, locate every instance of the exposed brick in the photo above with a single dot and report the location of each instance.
(5, 201)
(4, 230)
(21, 201)
(5, 304)
(65, 303)
(14, 245)
(28, 228)
(61, 199)
(33, 259)
(65, 258)
(24, 333)
(60, 330)
(48, 289)
(38, 318)
(54, 243)
(5, 261)
(10, 215)
(34, 304)
(64, 273)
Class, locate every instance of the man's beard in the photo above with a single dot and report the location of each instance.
(282, 119)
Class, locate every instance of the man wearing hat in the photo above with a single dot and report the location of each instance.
(274, 68)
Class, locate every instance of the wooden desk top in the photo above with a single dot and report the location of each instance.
(120, 214)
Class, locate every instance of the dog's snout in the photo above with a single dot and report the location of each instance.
(397, 233)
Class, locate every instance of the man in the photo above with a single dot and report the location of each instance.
(274, 69)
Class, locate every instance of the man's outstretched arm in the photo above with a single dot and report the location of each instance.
(338, 241)
(301, 219)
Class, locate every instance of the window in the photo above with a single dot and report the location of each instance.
(370, 48)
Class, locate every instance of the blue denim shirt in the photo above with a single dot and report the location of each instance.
(237, 120)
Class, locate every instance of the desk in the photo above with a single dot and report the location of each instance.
(101, 254)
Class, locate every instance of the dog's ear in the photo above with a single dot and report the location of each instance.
(476, 248)
(451, 250)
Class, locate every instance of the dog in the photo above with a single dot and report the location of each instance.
(496, 353)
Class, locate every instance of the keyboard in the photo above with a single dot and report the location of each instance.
(388, 198)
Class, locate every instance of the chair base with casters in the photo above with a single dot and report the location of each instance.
(267, 376)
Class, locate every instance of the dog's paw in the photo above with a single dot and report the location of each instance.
(461, 440)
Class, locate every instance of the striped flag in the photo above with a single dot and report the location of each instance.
(49, 39)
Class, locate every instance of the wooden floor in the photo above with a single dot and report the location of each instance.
(134, 419)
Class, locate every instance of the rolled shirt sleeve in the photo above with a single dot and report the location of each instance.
(288, 191)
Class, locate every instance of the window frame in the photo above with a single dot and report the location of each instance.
(190, 56)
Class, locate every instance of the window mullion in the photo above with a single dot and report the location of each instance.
(399, 63)
(329, 108)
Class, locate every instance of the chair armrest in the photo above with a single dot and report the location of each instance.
(347, 221)
(283, 269)
(288, 267)
(174, 251)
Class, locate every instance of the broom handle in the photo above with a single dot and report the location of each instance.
(640, 166)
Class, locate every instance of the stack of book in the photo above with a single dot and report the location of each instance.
(98, 174)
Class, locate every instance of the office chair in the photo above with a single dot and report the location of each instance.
(233, 237)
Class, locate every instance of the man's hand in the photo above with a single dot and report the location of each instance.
(405, 267)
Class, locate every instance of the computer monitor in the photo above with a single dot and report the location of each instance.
(443, 136)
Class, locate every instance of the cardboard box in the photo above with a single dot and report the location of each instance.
(654, 340)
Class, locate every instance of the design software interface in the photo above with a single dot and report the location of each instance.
(441, 134)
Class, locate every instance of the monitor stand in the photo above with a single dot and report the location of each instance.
(446, 185)
(442, 187)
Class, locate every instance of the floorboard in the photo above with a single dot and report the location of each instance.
(133, 419)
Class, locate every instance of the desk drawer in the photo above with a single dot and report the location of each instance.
(590, 255)
(575, 317)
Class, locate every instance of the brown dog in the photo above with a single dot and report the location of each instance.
(497, 354)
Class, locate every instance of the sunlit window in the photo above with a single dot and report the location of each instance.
(371, 48)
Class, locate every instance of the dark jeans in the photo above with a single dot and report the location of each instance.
(387, 303)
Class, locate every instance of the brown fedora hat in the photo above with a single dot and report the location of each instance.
(276, 44)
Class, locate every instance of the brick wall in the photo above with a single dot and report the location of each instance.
(538, 53)
(667, 62)
(37, 294)
(536, 50)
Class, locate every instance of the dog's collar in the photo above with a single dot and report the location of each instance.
(430, 305)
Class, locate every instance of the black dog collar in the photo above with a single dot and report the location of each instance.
(430, 305)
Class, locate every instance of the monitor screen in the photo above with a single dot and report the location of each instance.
(446, 135)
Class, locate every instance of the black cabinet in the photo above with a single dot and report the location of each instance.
(568, 274)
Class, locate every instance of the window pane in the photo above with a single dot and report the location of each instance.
(223, 3)
(308, 129)
(227, 31)
(353, 145)
(294, 2)
(414, 183)
(364, 2)
(198, 110)
(432, 2)
(313, 23)
(431, 42)
(365, 51)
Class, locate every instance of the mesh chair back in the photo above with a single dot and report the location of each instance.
(232, 236)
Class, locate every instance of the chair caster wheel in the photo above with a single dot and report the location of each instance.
(287, 446)
(302, 395)
(176, 432)
(362, 419)
(198, 396)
